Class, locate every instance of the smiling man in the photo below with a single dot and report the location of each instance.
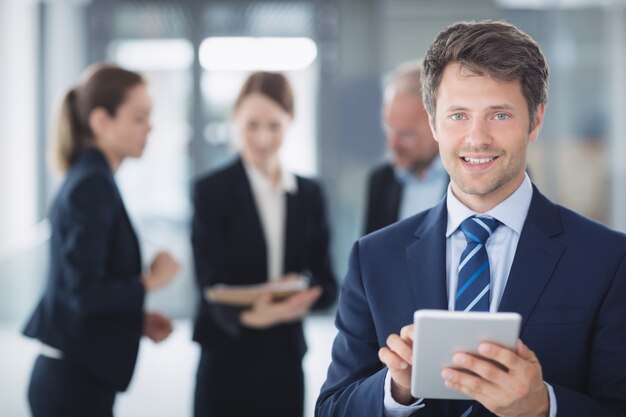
(495, 243)
(483, 130)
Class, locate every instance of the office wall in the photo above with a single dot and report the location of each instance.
(577, 161)
(350, 136)
(411, 25)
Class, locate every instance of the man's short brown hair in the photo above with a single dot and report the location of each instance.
(495, 48)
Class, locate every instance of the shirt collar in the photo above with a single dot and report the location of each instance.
(434, 171)
(287, 184)
(511, 212)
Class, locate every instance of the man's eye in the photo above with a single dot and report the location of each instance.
(457, 116)
(502, 116)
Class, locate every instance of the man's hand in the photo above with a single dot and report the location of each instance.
(398, 356)
(507, 383)
(156, 326)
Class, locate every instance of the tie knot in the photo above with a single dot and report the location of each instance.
(478, 229)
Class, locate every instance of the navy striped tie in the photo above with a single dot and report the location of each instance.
(474, 283)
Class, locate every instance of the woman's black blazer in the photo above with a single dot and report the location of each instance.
(229, 247)
(92, 307)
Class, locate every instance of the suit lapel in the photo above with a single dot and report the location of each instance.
(427, 260)
(535, 259)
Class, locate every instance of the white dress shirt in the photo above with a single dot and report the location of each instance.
(271, 203)
(501, 247)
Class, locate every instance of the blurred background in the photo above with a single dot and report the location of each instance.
(195, 54)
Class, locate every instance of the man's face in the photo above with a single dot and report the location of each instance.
(481, 125)
(409, 137)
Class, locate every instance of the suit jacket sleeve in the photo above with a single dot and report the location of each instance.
(355, 380)
(91, 209)
(209, 230)
(321, 269)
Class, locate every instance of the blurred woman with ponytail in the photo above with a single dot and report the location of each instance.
(91, 315)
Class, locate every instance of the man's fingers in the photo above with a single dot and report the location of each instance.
(469, 384)
(525, 352)
(504, 356)
(499, 378)
(401, 347)
(400, 372)
(485, 369)
(408, 332)
(389, 358)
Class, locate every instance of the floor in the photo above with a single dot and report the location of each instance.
(164, 377)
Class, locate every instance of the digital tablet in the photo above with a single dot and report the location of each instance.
(439, 334)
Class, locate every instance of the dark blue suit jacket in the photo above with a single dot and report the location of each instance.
(568, 281)
(92, 307)
(229, 247)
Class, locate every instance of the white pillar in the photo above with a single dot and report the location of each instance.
(18, 188)
(23, 251)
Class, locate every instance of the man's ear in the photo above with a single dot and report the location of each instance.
(431, 123)
(539, 114)
(98, 120)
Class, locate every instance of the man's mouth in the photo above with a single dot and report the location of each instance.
(477, 161)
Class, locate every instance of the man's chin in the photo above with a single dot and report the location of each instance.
(474, 186)
(402, 163)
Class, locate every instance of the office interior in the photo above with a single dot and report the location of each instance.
(195, 54)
